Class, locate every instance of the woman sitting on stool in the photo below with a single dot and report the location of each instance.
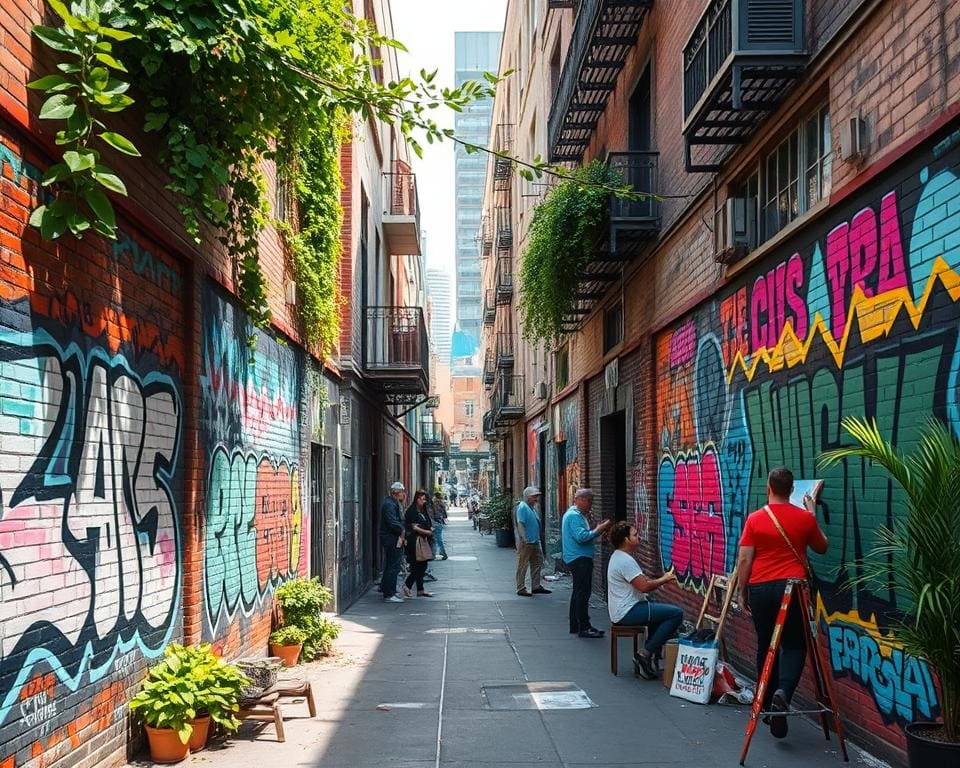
(627, 601)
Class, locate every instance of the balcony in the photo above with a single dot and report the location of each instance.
(504, 228)
(489, 307)
(633, 225)
(502, 166)
(489, 369)
(740, 61)
(504, 278)
(396, 353)
(507, 403)
(401, 215)
(433, 439)
(486, 236)
(506, 349)
(604, 33)
(489, 428)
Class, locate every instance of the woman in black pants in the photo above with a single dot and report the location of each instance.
(417, 524)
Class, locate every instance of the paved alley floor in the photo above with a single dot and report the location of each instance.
(418, 685)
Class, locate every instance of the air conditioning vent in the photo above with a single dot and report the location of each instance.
(739, 231)
(771, 22)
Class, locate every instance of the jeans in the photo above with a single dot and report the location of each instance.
(582, 571)
(528, 555)
(765, 602)
(662, 620)
(391, 565)
(417, 569)
(436, 543)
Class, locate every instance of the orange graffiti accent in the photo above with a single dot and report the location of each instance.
(100, 716)
(273, 521)
(674, 398)
(8, 762)
(874, 315)
(39, 684)
(104, 706)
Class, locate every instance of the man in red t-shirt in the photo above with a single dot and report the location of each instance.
(767, 559)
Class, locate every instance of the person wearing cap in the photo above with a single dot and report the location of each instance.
(392, 540)
(438, 514)
(528, 544)
(578, 537)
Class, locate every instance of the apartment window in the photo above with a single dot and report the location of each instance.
(790, 179)
(468, 407)
(612, 327)
(562, 362)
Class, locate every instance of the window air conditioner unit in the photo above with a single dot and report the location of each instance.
(853, 139)
(740, 218)
(540, 390)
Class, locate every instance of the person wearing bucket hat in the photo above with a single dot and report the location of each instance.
(392, 541)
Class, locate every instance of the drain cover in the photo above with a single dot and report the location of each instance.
(542, 696)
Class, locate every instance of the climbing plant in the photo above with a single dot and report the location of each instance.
(561, 240)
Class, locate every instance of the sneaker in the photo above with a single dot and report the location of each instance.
(523, 593)
(393, 599)
(643, 666)
(542, 591)
(443, 557)
(778, 723)
(592, 633)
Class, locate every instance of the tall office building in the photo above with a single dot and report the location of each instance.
(441, 322)
(475, 53)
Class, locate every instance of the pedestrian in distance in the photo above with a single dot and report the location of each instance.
(627, 601)
(773, 548)
(417, 525)
(438, 514)
(528, 544)
(578, 537)
(392, 541)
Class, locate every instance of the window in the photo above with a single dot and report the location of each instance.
(790, 180)
(563, 366)
(612, 327)
(468, 407)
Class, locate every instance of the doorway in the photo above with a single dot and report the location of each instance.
(541, 481)
(613, 464)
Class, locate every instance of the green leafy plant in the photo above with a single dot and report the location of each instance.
(920, 555)
(83, 91)
(498, 509)
(563, 234)
(302, 602)
(288, 634)
(168, 697)
(218, 684)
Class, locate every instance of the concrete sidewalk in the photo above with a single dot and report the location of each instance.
(415, 685)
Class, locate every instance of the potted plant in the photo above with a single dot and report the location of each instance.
(287, 643)
(301, 603)
(219, 685)
(167, 704)
(920, 558)
(499, 510)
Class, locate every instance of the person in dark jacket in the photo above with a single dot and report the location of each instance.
(417, 524)
(392, 539)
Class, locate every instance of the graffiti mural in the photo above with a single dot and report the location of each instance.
(255, 527)
(568, 460)
(91, 423)
(856, 316)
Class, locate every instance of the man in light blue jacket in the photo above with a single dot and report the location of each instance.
(578, 537)
(528, 544)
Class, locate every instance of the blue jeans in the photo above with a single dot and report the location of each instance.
(662, 619)
(436, 542)
(391, 565)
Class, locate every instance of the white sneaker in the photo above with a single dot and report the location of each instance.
(393, 599)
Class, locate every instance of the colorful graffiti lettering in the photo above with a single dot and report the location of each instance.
(859, 320)
(255, 532)
(641, 500)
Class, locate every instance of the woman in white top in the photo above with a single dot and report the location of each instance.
(627, 602)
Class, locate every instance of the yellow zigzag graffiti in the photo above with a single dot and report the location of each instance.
(875, 316)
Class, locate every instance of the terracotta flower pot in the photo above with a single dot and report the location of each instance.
(165, 745)
(201, 728)
(289, 653)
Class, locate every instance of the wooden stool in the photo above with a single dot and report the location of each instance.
(289, 689)
(618, 631)
(265, 709)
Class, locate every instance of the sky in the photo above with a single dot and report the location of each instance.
(426, 28)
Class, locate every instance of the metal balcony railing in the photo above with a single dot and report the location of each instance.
(504, 228)
(486, 236)
(502, 166)
(489, 306)
(489, 368)
(508, 399)
(641, 171)
(506, 349)
(740, 60)
(433, 438)
(504, 279)
(401, 215)
(489, 427)
(396, 351)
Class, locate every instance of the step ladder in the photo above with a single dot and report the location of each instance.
(726, 586)
(797, 589)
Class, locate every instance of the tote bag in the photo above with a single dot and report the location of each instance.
(424, 551)
(694, 671)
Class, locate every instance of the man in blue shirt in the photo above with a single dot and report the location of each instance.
(578, 539)
(528, 544)
(392, 541)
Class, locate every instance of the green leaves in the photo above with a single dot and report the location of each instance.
(120, 143)
(58, 107)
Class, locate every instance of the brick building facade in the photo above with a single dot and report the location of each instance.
(159, 477)
(802, 267)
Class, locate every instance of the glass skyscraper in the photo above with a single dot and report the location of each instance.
(475, 53)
